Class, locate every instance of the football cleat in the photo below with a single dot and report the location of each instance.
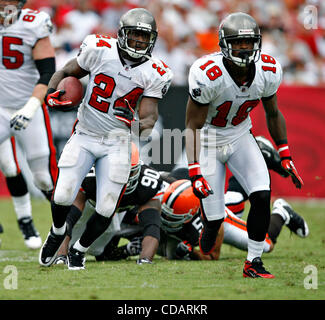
(32, 238)
(293, 220)
(61, 259)
(76, 259)
(144, 261)
(1, 228)
(255, 269)
(50, 248)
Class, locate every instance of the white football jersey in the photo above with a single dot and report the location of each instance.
(111, 81)
(18, 73)
(230, 104)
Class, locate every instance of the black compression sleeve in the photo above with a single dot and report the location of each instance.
(46, 68)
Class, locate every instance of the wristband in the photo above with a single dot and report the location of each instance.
(194, 169)
(32, 105)
(283, 150)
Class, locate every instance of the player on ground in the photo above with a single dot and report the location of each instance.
(121, 74)
(27, 63)
(180, 240)
(224, 87)
(180, 215)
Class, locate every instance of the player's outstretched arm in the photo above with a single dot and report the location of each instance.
(277, 128)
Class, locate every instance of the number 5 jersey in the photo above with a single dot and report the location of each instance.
(18, 73)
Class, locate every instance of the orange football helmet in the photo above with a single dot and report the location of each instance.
(135, 169)
(179, 205)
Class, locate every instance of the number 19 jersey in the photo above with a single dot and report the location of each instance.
(230, 104)
(111, 81)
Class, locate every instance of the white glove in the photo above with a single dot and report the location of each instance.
(21, 118)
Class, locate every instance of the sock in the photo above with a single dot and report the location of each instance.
(275, 227)
(59, 214)
(96, 225)
(48, 194)
(255, 249)
(79, 247)
(258, 219)
(17, 185)
(72, 218)
(22, 205)
(59, 231)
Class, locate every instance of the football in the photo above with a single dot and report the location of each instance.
(73, 90)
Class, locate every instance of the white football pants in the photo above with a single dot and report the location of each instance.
(244, 159)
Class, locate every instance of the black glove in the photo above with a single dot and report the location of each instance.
(125, 114)
(183, 248)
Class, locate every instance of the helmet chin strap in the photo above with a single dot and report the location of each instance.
(244, 55)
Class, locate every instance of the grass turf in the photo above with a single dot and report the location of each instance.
(164, 280)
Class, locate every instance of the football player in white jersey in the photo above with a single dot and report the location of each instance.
(27, 63)
(224, 87)
(122, 77)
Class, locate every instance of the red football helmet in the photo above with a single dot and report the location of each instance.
(179, 205)
(135, 169)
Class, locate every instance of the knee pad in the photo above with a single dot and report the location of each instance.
(41, 173)
(107, 208)
(63, 196)
(8, 168)
(43, 180)
(149, 219)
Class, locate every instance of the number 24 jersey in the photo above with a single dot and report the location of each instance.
(230, 104)
(111, 81)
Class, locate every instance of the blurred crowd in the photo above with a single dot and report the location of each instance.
(293, 30)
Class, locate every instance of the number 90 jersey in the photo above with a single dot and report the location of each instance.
(18, 73)
(150, 186)
(111, 81)
(230, 104)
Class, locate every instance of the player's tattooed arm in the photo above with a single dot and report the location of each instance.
(72, 68)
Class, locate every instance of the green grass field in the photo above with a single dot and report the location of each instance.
(164, 280)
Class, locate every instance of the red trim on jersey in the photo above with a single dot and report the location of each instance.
(53, 168)
(13, 146)
(74, 126)
(241, 224)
